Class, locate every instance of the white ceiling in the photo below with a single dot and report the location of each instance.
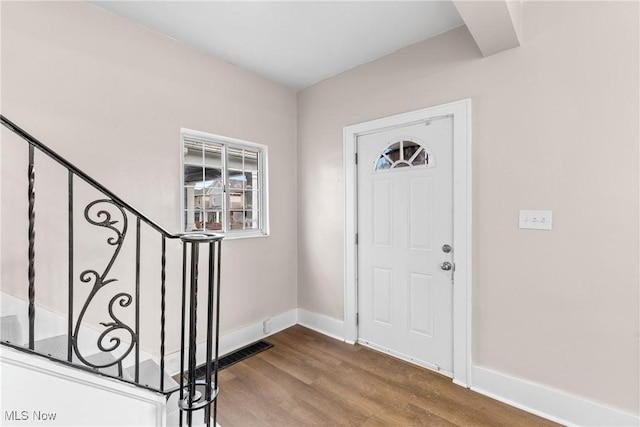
(295, 43)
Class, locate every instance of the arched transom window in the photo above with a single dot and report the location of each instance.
(403, 154)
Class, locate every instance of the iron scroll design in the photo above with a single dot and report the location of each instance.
(117, 342)
(103, 218)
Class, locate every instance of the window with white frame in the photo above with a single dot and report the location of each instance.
(224, 185)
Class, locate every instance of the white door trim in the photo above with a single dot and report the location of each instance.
(461, 111)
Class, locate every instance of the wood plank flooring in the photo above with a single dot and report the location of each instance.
(308, 379)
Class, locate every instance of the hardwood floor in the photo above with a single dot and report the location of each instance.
(308, 379)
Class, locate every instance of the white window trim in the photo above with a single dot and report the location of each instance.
(263, 171)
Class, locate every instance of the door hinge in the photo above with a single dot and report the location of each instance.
(357, 319)
(356, 238)
(356, 158)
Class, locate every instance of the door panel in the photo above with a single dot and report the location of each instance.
(404, 219)
(421, 214)
(382, 213)
(382, 295)
(421, 304)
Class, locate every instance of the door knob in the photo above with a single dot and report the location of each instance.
(446, 266)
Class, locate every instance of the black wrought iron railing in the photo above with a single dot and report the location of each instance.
(118, 345)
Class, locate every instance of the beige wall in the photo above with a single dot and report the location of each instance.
(111, 97)
(555, 126)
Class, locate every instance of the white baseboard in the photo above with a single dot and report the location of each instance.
(242, 337)
(325, 325)
(234, 340)
(547, 402)
(538, 399)
(535, 398)
(239, 338)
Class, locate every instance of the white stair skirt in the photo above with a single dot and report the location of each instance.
(33, 386)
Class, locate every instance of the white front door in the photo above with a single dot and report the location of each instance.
(405, 242)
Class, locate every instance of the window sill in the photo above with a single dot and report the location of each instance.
(240, 235)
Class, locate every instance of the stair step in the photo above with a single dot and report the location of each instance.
(149, 375)
(11, 330)
(57, 347)
(54, 346)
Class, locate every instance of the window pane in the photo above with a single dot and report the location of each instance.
(409, 149)
(404, 154)
(193, 199)
(251, 200)
(244, 210)
(237, 180)
(393, 152)
(420, 159)
(190, 219)
(192, 174)
(214, 220)
(242, 159)
(250, 220)
(192, 152)
(236, 200)
(222, 184)
(244, 184)
(235, 220)
(212, 177)
(383, 163)
(213, 155)
(251, 180)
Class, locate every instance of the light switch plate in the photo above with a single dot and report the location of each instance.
(535, 220)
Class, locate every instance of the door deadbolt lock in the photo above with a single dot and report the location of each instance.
(446, 248)
(446, 266)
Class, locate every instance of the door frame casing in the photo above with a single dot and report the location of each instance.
(462, 215)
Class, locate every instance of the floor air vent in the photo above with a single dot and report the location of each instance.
(236, 356)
